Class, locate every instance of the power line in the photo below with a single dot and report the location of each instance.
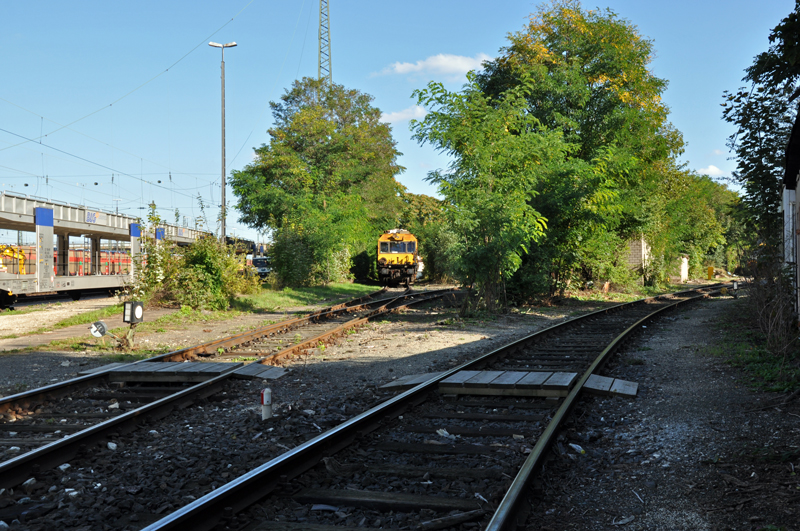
(89, 161)
(132, 91)
(277, 80)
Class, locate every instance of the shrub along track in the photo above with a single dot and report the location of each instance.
(60, 421)
(404, 463)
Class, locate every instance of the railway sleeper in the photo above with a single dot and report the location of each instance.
(387, 501)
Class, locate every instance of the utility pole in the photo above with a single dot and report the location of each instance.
(222, 212)
(324, 70)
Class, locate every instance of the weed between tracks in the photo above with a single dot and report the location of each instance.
(274, 300)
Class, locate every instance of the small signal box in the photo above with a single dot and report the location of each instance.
(132, 312)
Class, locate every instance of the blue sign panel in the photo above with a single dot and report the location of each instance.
(43, 216)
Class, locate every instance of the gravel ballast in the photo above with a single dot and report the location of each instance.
(661, 461)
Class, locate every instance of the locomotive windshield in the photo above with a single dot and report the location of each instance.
(398, 247)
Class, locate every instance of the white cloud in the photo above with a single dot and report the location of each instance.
(711, 171)
(443, 64)
(414, 111)
(718, 152)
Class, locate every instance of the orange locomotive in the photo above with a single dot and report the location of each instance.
(398, 260)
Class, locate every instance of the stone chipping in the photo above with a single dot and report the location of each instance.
(669, 459)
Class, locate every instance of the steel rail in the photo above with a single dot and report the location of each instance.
(54, 391)
(505, 516)
(212, 347)
(354, 302)
(205, 512)
(326, 336)
(16, 470)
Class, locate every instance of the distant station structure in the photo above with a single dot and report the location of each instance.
(76, 248)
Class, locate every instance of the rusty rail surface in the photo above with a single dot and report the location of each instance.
(54, 391)
(17, 469)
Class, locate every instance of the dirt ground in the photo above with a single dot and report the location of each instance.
(696, 449)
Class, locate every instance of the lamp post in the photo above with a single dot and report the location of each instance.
(223, 213)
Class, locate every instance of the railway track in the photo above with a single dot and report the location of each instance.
(455, 451)
(50, 425)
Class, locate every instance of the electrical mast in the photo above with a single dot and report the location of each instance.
(324, 70)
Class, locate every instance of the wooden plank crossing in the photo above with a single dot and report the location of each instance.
(255, 371)
(529, 384)
(518, 383)
(175, 371)
(101, 368)
(186, 371)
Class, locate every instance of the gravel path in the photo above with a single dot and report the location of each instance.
(31, 319)
(692, 451)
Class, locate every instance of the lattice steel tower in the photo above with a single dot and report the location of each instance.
(324, 66)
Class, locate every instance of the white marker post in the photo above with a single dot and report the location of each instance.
(266, 404)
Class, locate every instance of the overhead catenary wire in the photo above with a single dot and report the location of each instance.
(178, 194)
(274, 86)
(184, 56)
(141, 178)
(107, 144)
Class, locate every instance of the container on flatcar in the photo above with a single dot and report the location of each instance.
(398, 260)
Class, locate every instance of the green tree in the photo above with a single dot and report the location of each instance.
(325, 183)
(763, 119)
(498, 151)
(590, 78)
(763, 116)
(426, 218)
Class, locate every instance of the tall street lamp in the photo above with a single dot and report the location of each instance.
(223, 46)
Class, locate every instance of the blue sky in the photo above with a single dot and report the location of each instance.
(138, 87)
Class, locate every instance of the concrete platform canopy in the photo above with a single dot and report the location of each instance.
(101, 259)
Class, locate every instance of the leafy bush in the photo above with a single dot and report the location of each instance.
(204, 275)
(299, 259)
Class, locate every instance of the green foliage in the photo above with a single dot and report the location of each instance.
(576, 90)
(499, 152)
(591, 80)
(763, 119)
(764, 116)
(86, 317)
(425, 217)
(205, 275)
(766, 371)
(690, 217)
(273, 300)
(325, 185)
(781, 63)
